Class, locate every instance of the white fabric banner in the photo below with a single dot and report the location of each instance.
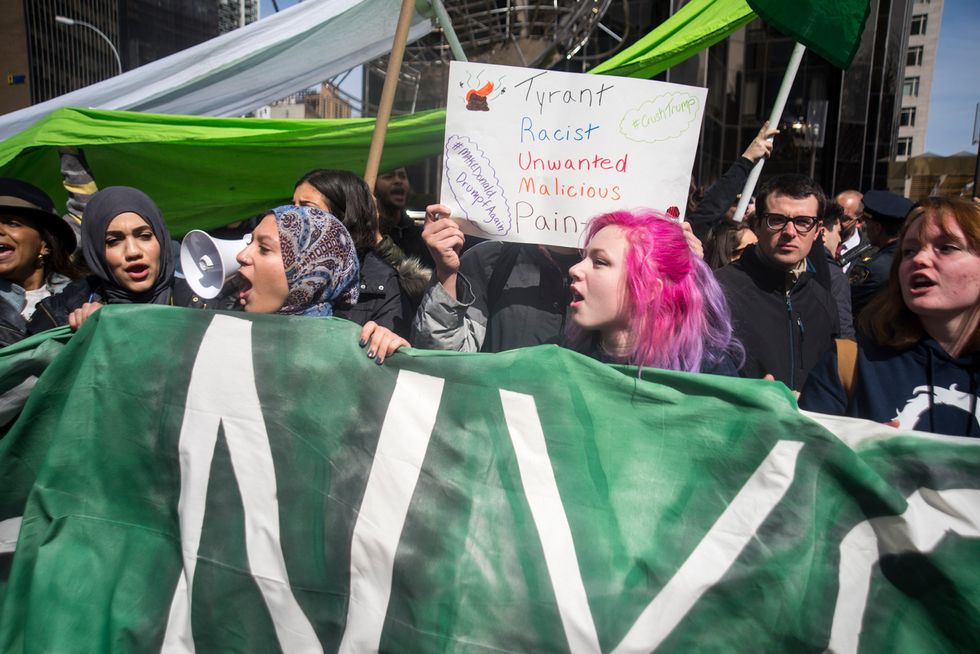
(240, 71)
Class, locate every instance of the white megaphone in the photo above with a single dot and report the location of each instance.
(209, 262)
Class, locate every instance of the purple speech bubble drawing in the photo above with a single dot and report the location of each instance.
(474, 184)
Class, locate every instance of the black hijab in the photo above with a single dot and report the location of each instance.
(101, 209)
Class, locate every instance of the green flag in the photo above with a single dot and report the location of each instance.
(831, 28)
(221, 482)
(697, 25)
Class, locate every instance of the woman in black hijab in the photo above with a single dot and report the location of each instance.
(127, 247)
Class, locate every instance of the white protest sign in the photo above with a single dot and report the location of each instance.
(531, 155)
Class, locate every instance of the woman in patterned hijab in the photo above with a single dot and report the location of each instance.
(300, 261)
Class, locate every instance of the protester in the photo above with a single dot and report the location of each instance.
(127, 247)
(718, 202)
(640, 296)
(830, 231)
(854, 243)
(726, 242)
(839, 286)
(301, 262)
(392, 190)
(783, 318)
(884, 213)
(497, 296)
(916, 363)
(347, 196)
(35, 256)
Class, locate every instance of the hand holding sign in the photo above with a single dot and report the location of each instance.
(445, 240)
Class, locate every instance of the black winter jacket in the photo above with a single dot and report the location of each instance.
(784, 330)
(921, 387)
(381, 298)
(722, 194)
(53, 311)
(13, 327)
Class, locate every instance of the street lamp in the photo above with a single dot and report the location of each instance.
(64, 20)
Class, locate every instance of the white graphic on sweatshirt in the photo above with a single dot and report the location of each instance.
(918, 404)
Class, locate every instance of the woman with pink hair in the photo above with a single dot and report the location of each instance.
(640, 296)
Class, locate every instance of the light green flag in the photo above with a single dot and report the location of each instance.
(697, 25)
(221, 482)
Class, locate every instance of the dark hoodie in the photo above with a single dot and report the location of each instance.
(921, 388)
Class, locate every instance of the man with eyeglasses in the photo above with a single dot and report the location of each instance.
(884, 213)
(785, 319)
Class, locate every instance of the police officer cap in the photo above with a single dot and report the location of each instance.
(886, 206)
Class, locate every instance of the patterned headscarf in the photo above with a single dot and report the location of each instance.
(320, 261)
(99, 212)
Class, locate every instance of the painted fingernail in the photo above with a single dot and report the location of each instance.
(379, 361)
(362, 342)
(371, 354)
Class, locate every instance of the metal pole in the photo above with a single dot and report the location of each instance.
(388, 92)
(777, 113)
(447, 29)
(64, 20)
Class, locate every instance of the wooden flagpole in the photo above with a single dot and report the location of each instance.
(388, 92)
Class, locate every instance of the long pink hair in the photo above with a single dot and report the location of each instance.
(677, 311)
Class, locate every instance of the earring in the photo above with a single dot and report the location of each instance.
(40, 258)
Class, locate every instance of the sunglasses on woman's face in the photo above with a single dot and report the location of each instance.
(777, 222)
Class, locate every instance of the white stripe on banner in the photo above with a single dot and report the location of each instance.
(9, 529)
(541, 491)
(930, 515)
(222, 392)
(717, 551)
(391, 483)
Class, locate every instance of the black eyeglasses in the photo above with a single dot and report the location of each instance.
(777, 222)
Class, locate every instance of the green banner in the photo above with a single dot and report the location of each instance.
(831, 28)
(218, 482)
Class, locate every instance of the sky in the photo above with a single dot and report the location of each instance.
(955, 85)
(956, 81)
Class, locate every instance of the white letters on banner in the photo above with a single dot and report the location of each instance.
(531, 155)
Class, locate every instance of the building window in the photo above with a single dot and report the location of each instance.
(914, 56)
(910, 88)
(904, 148)
(918, 24)
(907, 117)
(921, 2)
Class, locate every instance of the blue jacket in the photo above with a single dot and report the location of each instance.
(921, 388)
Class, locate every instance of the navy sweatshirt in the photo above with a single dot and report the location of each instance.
(921, 388)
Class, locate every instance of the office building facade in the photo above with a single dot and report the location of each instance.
(920, 60)
(43, 58)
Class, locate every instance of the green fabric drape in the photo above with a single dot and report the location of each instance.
(206, 172)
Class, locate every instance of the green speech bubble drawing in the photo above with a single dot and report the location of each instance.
(665, 117)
